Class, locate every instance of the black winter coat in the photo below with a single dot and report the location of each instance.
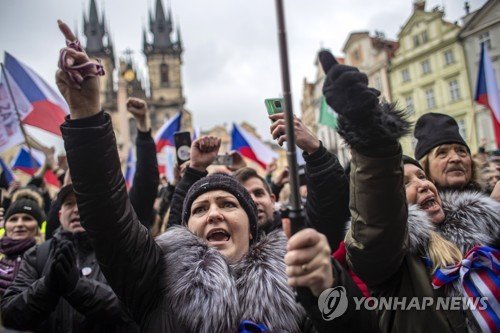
(92, 307)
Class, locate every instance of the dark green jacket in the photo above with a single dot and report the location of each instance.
(377, 247)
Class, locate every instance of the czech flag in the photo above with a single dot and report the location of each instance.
(251, 147)
(26, 163)
(48, 108)
(487, 92)
(130, 169)
(6, 174)
(30, 164)
(165, 135)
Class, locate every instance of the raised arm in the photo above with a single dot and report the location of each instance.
(327, 205)
(147, 178)
(376, 240)
(203, 152)
(128, 256)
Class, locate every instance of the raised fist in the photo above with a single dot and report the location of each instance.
(139, 109)
(346, 89)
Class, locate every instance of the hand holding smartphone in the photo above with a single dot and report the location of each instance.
(274, 105)
(182, 142)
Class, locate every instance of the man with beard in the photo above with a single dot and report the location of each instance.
(60, 287)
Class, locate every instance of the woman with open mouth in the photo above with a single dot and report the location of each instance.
(406, 240)
(215, 273)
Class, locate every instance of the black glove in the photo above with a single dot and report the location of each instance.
(63, 274)
(346, 89)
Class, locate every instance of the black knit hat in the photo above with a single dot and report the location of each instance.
(64, 192)
(434, 129)
(26, 206)
(409, 160)
(220, 181)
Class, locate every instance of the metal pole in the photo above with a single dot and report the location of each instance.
(18, 114)
(296, 213)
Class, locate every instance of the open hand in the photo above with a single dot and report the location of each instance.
(83, 98)
(308, 261)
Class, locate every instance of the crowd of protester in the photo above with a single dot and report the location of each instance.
(212, 250)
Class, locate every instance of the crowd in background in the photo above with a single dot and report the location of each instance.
(214, 253)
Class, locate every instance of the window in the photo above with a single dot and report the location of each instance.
(416, 41)
(429, 97)
(164, 74)
(461, 128)
(405, 73)
(425, 37)
(449, 57)
(426, 66)
(484, 38)
(410, 109)
(356, 55)
(454, 90)
(378, 83)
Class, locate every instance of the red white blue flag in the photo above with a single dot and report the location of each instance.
(130, 168)
(165, 135)
(487, 92)
(31, 163)
(48, 108)
(251, 147)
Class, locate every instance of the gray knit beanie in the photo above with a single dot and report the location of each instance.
(220, 181)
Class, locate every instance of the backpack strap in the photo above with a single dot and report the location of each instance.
(42, 254)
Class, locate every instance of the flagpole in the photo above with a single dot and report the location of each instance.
(23, 131)
(296, 212)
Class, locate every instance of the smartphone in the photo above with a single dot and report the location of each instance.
(223, 160)
(302, 175)
(274, 105)
(182, 142)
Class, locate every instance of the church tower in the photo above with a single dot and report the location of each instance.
(95, 31)
(164, 60)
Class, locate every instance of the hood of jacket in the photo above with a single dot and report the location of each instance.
(471, 218)
(207, 294)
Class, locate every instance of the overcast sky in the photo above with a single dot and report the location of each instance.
(231, 59)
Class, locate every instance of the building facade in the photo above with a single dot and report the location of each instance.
(311, 103)
(163, 92)
(371, 54)
(428, 72)
(482, 27)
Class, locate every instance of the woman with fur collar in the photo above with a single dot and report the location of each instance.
(213, 274)
(397, 251)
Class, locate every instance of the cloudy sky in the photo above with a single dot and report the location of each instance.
(231, 60)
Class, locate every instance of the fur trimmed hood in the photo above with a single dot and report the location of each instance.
(206, 294)
(471, 218)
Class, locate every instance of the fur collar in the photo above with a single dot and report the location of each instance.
(206, 294)
(471, 218)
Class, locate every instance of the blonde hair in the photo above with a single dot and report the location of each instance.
(442, 252)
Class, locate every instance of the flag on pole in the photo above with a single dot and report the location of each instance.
(30, 164)
(165, 135)
(327, 116)
(10, 128)
(26, 163)
(251, 147)
(6, 174)
(487, 92)
(130, 168)
(48, 108)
